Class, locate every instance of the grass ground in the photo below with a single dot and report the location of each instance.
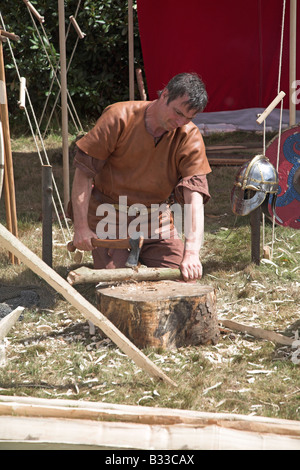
(50, 352)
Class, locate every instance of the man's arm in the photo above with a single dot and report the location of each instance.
(81, 193)
(191, 266)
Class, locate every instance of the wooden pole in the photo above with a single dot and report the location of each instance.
(64, 101)
(255, 235)
(293, 42)
(1, 159)
(130, 50)
(47, 194)
(11, 211)
(90, 312)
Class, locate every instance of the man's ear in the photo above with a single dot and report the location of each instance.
(164, 94)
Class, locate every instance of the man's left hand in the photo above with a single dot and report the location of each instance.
(191, 267)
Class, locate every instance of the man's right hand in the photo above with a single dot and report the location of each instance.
(83, 239)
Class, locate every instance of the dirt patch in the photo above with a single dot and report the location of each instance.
(12, 297)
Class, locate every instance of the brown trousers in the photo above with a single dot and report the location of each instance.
(165, 253)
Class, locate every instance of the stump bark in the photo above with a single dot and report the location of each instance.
(164, 314)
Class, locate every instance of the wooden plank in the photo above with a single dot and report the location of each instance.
(56, 432)
(226, 161)
(24, 419)
(90, 312)
(258, 332)
(8, 321)
(81, 409)
(249, 147)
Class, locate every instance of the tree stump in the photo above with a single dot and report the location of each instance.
(166, 314)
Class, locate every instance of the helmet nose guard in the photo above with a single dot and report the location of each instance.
(253, 182)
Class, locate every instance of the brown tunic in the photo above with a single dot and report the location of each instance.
(124, 160)
(132, 164)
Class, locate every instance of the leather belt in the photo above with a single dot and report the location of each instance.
(138, 210)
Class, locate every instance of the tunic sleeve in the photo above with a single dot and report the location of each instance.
(88, 165)
(194, 183)
(101, 141)
(191, 154)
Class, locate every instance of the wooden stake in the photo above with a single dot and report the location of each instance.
(22, 97)
(90, 312)
(255, 216)
(80, 34)
(270, 108)
(40, 18)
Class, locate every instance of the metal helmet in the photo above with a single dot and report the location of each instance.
(253, 182)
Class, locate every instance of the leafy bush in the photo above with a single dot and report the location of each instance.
(98, 74)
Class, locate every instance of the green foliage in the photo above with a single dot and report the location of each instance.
(98, 74)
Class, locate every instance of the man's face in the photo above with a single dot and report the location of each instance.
(176, 113)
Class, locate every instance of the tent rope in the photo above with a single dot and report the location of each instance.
(53, 70)
(280, 124)
(281, 112)
(53, 80)
(41, 140)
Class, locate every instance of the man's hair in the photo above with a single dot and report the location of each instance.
(188, 84)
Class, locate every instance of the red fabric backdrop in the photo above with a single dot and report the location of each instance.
(233, 45)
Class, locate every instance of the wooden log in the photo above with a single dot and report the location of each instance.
(164, 314)
(258, 332)
(8, 321)
(90, 312)
(84, 275)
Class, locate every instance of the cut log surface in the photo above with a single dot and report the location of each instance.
(166, 314)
